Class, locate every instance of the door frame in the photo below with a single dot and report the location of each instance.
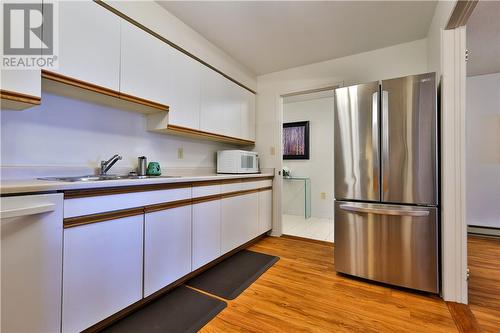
(278, 184)
(454, 224)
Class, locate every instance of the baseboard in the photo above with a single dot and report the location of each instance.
(484, 231)
(309, 240)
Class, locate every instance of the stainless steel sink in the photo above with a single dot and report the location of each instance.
(101, 178)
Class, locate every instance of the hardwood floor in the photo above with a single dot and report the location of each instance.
(302, 293)
(484, 281)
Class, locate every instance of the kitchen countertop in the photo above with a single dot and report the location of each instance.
(35, 185)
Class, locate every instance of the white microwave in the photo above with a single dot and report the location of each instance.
(237, 161)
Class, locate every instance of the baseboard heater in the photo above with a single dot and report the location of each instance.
(484, 231)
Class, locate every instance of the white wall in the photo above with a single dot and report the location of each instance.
(69, 132)
(483, 150)
(319, 167)
(158, 19)
(395, 61)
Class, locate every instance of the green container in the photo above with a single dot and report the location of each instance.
(153, 169)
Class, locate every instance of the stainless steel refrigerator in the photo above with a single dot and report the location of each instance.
(386, 181)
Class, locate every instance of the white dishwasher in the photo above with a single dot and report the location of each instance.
(31, 266)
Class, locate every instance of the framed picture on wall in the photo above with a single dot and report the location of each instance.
(296, 140)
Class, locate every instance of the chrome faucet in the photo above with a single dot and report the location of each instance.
(106, 165)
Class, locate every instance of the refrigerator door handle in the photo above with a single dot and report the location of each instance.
(383, 209)
(375, 142)
(385, 141)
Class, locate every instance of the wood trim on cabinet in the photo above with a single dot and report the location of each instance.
(101, 90)
(143, 302)
(93, 192)
(186, 131)
(175, 46)
(71, 222)
(262, 189)
(207, 198)
(167, 205)
(19, 97)
(238, 193)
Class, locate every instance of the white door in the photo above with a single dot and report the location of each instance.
(89, 43)
(265, 211)
(239, 220)
(31, 262)
(145, 69)
(185, 92)
(102, 270)
(167, 247)
(206, 232)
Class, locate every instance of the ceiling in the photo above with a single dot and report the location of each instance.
(483, 39)
(268, 36)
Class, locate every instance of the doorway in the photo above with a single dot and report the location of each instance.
(307, 160)
(482, 160)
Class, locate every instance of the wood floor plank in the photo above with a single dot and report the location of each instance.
(484, 281)
(303, 293)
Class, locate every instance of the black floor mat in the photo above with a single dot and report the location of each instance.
(181, 310)
(232, 276)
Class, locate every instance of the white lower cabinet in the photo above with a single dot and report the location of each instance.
(102, 270)
(239, 220)
(167, 247)
(206, 232)
(265, 211)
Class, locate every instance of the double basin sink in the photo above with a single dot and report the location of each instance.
(101, 177)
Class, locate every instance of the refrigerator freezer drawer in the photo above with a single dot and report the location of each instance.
(393, 244)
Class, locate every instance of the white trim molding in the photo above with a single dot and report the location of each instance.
(454, 227)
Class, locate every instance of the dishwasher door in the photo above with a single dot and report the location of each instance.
(31, 268)
(394, 244)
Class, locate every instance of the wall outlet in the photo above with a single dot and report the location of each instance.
(273, 151)
(323, 195)
(180, 153)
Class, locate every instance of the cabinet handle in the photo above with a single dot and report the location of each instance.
(25, 211)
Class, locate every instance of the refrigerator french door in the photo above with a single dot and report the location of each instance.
(386, 193)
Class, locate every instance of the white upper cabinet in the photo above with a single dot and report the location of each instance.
(26, 82)
(247, 115)
(184, 94)
(89, 43)
(214, 99)
(146, 67)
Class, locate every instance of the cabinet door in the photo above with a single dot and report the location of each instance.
(167, 247)
(206, 232)
(145, 65)
(247, 115)
(265, 211)
(102, 270)
(184, 94)
(214, 100)
(232, 112)
(31, 263)
(89, 43)
(27, 82)
(239, 220)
